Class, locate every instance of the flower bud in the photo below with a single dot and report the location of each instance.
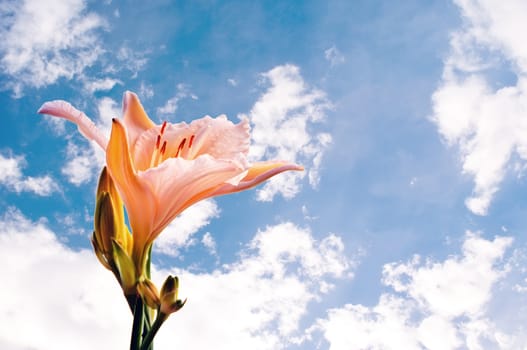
(148, 292)
(111, 239)
(169, 293)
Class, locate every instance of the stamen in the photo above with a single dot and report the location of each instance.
(190, 143)
(163, 148)
(180, 147)
(158, 141)
(163, 127)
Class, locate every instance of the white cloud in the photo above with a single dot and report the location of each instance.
(12, 178)
(180, 231)
(208, 241)
(83, 163)
(44, 41)
(334, 56)
(232, 82)
(170, 106)
(146, 91)
(105, 84)
(57, 125)
(51, 293)
(108, 109)
(130, 59)
(256, 302)
(282, 118)
(265, 294)
(433, 305)
(476, 107)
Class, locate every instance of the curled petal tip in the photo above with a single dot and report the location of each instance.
(56, 108)
(63, 109)
(297, 167)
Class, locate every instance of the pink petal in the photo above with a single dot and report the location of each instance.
(135, 119)
(219, 137)
(87, 128)
(179, 183)
(258, 173)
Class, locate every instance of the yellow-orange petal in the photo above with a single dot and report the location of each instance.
(137, 196)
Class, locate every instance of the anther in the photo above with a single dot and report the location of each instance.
(163, 148)
(158, 141)
(163, 127)
(190, 142)
(180, 147)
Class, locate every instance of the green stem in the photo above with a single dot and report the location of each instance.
(137, 329)
(147, 341)
(147, 325)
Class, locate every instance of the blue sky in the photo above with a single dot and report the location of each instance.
(405, 231)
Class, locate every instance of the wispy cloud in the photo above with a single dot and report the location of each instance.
(146, 90)
(45, 41)
(13, 179)
(479, 108)
(334, 56)
(130, 59)
(104, 84)
(171, 105)
(208, 241)
(282, 119)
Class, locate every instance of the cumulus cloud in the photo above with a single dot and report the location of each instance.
(45, 41)
(180, 231)
(257, 302)
(478, 107)
(432, 305)
(13, 179)
(67, 307)
(265, 294)
(283, 118)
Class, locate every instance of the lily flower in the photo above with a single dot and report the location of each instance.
(160, 170)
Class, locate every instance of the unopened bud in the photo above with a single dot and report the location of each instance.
(149, 293)
(169, 296)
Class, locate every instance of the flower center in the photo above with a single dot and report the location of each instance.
(162, 147)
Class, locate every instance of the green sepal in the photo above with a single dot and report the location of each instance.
(125, 267)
